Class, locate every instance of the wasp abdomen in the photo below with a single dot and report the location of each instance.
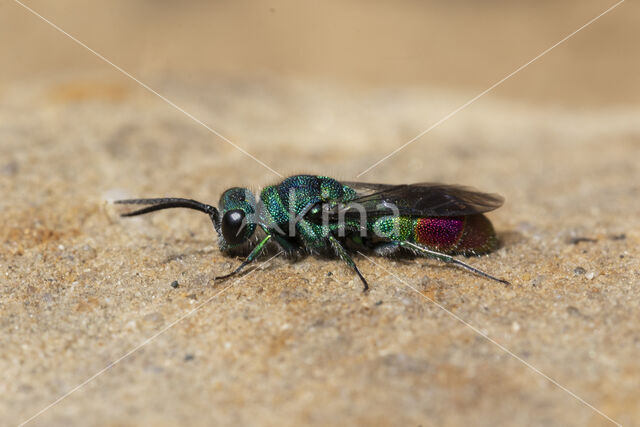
(472, 234)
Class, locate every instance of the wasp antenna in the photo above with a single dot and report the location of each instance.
(168, 203)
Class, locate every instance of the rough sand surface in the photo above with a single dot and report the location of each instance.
(300, 342)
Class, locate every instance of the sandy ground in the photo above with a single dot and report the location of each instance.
(293, 343)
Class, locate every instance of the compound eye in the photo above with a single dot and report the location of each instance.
(232, 225)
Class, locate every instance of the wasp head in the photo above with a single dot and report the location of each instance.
(238, 218)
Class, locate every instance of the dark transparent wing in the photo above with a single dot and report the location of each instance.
(423, 199)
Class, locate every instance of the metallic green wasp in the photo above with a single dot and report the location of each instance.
(307, 214)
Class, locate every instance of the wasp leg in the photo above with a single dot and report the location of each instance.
(252, 256)
(342, 253)
(448, 259)
(291, 251)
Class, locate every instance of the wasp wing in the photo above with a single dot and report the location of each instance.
(422, 199)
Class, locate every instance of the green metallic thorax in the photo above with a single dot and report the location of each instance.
(299, 195)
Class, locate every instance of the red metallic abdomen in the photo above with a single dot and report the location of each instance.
(468, 235)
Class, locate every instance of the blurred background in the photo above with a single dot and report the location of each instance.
(335, 85)
(458, 44)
